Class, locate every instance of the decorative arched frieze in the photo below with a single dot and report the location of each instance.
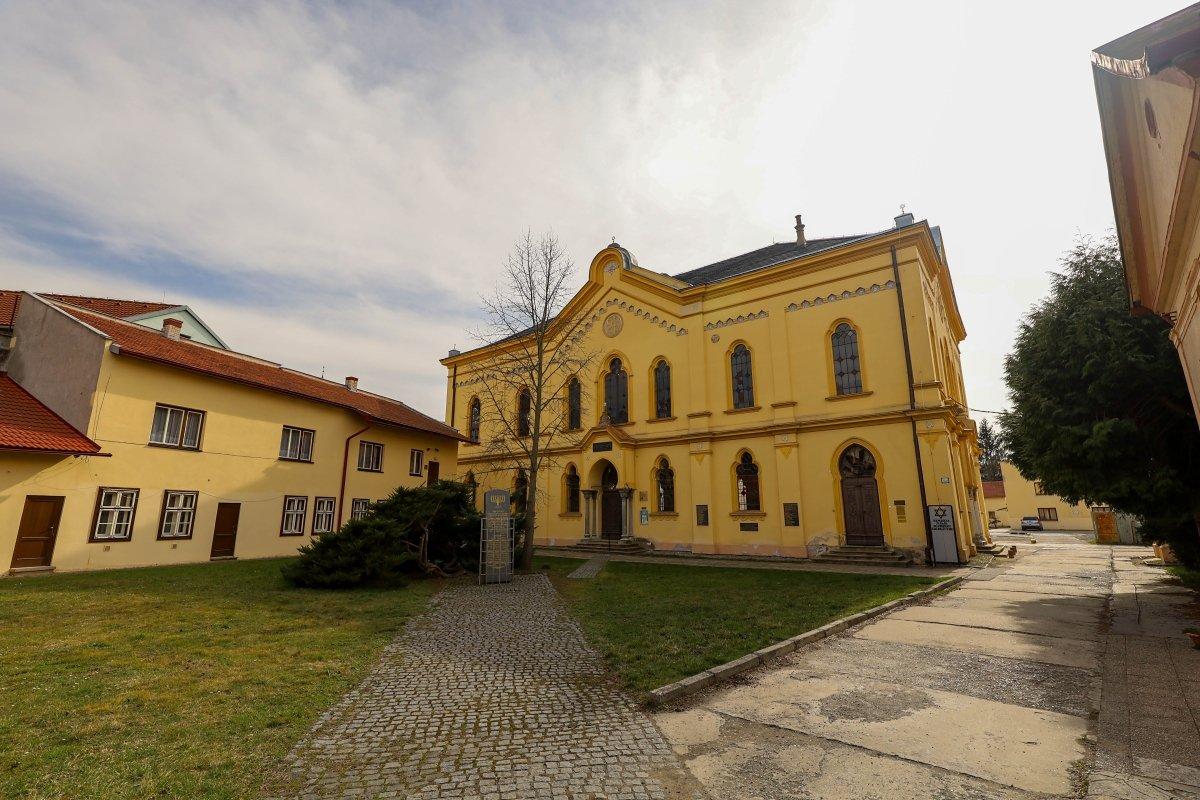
(846, 295)
(725, 323)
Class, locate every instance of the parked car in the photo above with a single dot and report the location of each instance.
(1031, 524)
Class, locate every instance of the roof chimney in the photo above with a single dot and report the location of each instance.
(352, 383)
(799, 231)
(172, 327)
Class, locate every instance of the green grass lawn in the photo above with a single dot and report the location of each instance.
(657, 623)
(175, 682)
(1190, 577)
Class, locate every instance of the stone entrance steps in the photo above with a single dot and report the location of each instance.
(880, 556)
(609, 546)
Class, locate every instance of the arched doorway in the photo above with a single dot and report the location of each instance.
(610, 503)
(860, 497)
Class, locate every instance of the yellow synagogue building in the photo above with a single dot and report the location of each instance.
(793, 401)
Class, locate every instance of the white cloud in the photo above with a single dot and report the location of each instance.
(347, 161)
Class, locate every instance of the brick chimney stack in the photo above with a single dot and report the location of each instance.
(352, 383)
(799, 231)
(171, 328)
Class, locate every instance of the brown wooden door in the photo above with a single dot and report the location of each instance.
(860, 508)
(434, 470)
(39, 528)
(225, 529)
(610, 515)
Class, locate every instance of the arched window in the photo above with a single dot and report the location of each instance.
(662, 389)
(524, 413)
(572, 481)
(847, 373)
(748, 496)
(574, 405)
(473, 420)
(742, 377)
(472, 487)
(664, 479)
(616, 393)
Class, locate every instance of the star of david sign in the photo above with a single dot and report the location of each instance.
(939, 512)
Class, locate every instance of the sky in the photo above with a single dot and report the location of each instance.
(334, 185)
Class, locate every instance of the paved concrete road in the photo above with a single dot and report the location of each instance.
(991, 691)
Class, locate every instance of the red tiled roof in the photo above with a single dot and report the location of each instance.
(26, 424)
(141, 342)
(993, 488)
(10, 301)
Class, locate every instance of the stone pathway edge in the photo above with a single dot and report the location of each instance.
(723, 672)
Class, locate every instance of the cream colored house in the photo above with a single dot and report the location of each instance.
(1025, 498)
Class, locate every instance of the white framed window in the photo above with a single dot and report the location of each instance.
(416, 462)
(174, 426)
(115, 509)
(359, 507)
(370, 457)
(178, 515)
(323, 508)
(296, 444)
(295, 509)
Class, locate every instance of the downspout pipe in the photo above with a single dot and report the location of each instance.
(912, 406)
(341, 502)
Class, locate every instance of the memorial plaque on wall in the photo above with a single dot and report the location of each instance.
(601, 447)
(702, 515)
(791, 515)
(748, 526)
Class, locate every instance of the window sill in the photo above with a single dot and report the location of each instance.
(162, 446)
(108, 541)
(849, 396)
(411, 474)
(281, 533)
(571, 514)
(625, 424)
(297, 460)
(174, 538)
(745, 410)
(661, 419)
(736, 514)
(364, 469)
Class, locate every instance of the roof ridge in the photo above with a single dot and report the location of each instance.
(110, 299)
(181, 340)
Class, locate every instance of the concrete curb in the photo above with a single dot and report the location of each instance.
(723, 672)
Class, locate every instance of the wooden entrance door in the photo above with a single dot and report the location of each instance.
(434, 470)
(860, 505)
(225, 529)
(860, 497)
(39, 527)
(610, 504)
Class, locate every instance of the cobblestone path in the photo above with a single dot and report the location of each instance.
(494, 694)
(589, 569)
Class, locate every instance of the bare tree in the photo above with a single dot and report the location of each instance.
(525, 378)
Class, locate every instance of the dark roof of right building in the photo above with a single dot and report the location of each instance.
(764, 257)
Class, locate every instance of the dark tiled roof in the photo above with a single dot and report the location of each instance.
(10, 301)
(763, 257)
(26, 424)
(993, 488)
(141, 342)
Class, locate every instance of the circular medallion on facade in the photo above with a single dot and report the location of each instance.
(715, 338)
(613, 324)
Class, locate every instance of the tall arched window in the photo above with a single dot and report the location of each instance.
(472, 486)
(748, 496)
(616, 393)
(742, 377)
(847, 373)
(662, 389)
(572, 481)
(473, 420)
(664, 479)
(524, 413)
(574, 405)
